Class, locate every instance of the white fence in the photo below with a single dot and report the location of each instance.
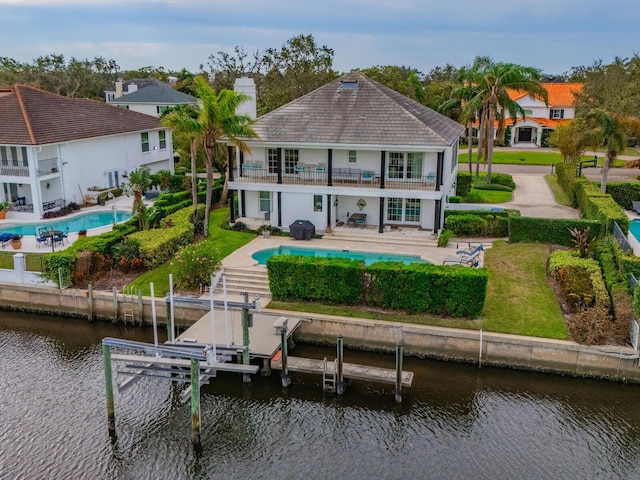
(19, 274)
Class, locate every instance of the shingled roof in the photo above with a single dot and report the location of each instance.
(356, 110)
(29, 116)
(158, 93)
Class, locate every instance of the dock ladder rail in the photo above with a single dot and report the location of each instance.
(127, 309)
(328, 376)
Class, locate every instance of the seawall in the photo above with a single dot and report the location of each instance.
(494, 349)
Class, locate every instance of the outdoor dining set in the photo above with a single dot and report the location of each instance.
(51, 237)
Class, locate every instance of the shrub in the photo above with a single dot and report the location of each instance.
(566, 173)
(550, 230)
(591, 326)
(624, 193)
(455, 199)
(481, 223)
(496, 178)
(444, 237)
(193, 265)
(492, 186)
(596, 205)
(463, 184)
(467, 225)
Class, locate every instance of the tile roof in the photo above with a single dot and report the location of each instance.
(156, 93)
(559, 94)
(29, 116)
(356, 110)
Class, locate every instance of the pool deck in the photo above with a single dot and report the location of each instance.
(29, 243)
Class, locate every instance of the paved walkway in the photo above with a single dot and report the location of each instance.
(534, 198)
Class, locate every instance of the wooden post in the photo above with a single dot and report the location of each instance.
(90, 295)
(399, 349)
(115, 303)
(340, 357)
(284, 373)
(140, 307)
(246, 378)
(108, 382)
(195, 400)
(168, 320)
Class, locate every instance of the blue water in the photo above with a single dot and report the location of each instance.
(81, 222)
(368, 257)
(634, 228)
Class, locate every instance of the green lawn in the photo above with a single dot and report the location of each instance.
(533, 157)
(226, 241)
(487, 196)
(561, 197)
(519, 299)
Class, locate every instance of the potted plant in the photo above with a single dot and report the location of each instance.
(82, 233)
(264, 230)
(16, 241)
(4, 206)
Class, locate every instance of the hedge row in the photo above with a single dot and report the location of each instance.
(599, 206)
(159, 244)
(567, 266)
(414, 288)
(463, 184)
(624, 193)
(550, 230)
(481, 223)
(566, 173)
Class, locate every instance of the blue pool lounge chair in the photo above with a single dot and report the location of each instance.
(5, 238)
(636, 206)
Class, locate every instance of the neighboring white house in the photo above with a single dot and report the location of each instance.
(541, 119)
(350, 152)
(147, 95)
(54, 148)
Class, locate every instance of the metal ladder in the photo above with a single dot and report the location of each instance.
(328, 376)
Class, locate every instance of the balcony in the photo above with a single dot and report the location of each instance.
(48, 166)
(14, 170)
(341, 177)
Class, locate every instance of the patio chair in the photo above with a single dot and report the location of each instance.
(636, 206)
(463, 260)
(470, 251)
(40, 240)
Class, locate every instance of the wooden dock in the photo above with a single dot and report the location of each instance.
(352, 371)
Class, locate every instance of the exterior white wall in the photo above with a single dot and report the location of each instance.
(148, 109)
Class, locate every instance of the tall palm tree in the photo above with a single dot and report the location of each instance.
(183, 119)
(612, 130)
(492, 81)
(220, 123)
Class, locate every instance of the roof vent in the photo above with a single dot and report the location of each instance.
(349, 84)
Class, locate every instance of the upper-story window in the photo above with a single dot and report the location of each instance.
(144, 141)
(396, 164)
(162, 137)
(160, 109)
(124, 107)
(409, 166)
(528, 112)
(272, 160)
(290, 160)
(352, 156)
(556, 113)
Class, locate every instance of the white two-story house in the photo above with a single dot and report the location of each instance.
(54, 148)
(147, 95)
(352, 152)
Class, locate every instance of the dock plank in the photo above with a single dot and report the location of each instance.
(351, 370)
(178, 362)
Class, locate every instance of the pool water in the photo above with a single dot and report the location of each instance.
(81, 222)
(368, 257)
(634, 229)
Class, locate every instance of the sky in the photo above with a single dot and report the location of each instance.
(551, 35)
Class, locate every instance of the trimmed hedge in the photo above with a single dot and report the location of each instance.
(492, 186)
(463, 184)
(566, 173)
(596, 205)
(549, 230)
(497, 178)
(414, 288)
(481, 223)
(624, 193)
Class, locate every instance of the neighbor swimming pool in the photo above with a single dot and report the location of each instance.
(368, 257)
(86, 221)
(634, 228)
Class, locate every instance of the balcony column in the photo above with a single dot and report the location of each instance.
(437, 216)
(329, 167)
(439, 170)
(232, 206)
(279, 166)
(279, 209)
(383, 167)
(329, 207)
(241, 163)
(381, 216)
(243, 210)
(230, 161)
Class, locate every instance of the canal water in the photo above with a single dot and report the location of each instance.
(458, 421)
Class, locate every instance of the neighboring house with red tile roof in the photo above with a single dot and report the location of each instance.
(541, 119)
(147, 95)
(53, 147)
(351, 152)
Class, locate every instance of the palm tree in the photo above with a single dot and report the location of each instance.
(492, 82)
(220, 123)
(139, 181)
(183, 119)
(610, 129)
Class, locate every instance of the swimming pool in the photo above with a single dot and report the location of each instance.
(86, 221)
(634, 228)
(368, 257)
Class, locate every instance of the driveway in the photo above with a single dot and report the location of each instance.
(534, 198)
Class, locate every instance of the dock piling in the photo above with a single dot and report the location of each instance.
(195, 400)
(90, 296)
(140, 307)
(108, 382)
(284, 373)
(246, 378)
(399, 351)
(115, 303)
(340, 358)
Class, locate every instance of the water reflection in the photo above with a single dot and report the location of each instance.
(457, 421)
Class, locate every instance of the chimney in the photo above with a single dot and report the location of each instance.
(118, 89)
(248, 87)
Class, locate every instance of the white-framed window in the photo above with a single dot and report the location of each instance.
(272, 160)
(528, 112)
(290, 160)
(144, 141)
(454, 157)
(556, 113)
(409, 166)
(403, 210)
(160, 109)
(414, 164)
(396, 165)
(353, 156)
(317, 203)
(162, 137)
(265, 202)
(124, 107)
